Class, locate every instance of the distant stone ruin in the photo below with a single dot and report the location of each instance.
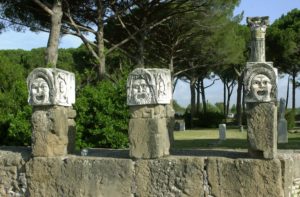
(282, 123)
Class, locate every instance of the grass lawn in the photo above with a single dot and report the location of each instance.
(208, 138)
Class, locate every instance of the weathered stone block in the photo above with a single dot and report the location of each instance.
(282, 131)
(51, 86)
(149, 86)
(12, 173)
(106, 174)
(53, 133)
(149, 137)
(260, 81)
(244, 177)
(149, 111)
(262, 129)
(222, 131)
(169, 177)
(79, 177)
(258, 26)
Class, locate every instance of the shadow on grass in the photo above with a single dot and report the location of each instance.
(294, 143)
(232, 148)
(211, 143)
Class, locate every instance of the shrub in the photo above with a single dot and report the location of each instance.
(102, 115)
(210, 119)
(290, 117)
(19, 132)
(15, 113)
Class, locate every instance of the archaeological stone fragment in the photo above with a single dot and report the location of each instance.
(149, 86)
(222, 131)
(52, 93)
(151, 126)
(48, 86)
(258, 27)
(260, 81)
(282, 123)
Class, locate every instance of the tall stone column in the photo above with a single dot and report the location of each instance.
(258, 26)
(149, 95)
(260, 81)
(51, 94)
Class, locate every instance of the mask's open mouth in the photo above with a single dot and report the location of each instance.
(141, 96)
(261, 92)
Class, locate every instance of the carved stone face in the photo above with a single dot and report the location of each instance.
(141, 91)
(261, 87)
(62, 90)
(40, 91)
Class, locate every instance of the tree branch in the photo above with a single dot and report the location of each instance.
(44, 7)
(80, 35)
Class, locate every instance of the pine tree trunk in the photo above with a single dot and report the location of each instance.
(100, 41)
(101, 55)
(294, 91)
(193, 100)
(287, 92)
(141, 45)
(239, 101)
(140, 58)
(228, 101)
(203, 97)
(224, 99)
(53, 41)
(198, 96)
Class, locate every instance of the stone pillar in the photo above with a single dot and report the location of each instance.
(52, 93)
(222, 131)
(282, 123)
(260, 81)
(258, 27)
(152, 118)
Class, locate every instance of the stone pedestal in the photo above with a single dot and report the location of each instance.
(149, 131)
(262, 127)
(52, 94)
(53, 131)
(282, 131)
(149, 95)
(260, 81)
(222, 131)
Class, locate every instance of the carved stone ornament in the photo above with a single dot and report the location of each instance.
(51, 86)
(149, 86)
(258, 27)
(260, 82)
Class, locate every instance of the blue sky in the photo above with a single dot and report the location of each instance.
(272, 8)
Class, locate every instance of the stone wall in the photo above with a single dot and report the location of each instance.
(12, 171)
(112, 173)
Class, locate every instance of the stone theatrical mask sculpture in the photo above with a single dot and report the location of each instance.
(51, 86)
(261, 87)
(149, 86)
(260, 83)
